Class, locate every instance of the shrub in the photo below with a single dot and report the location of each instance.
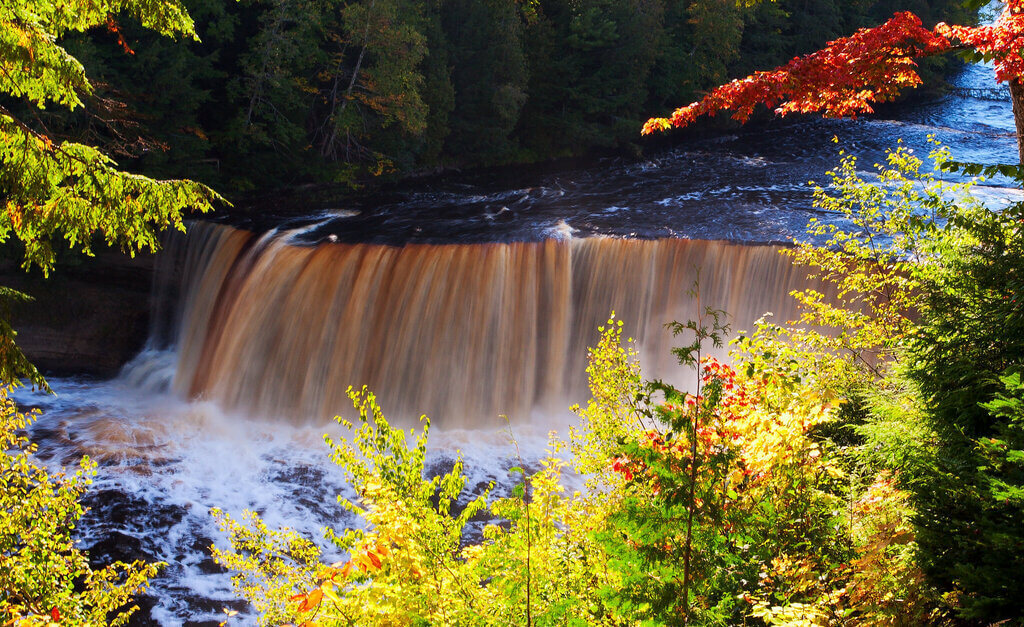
(44, 577)
(408, 565)
(967, 356)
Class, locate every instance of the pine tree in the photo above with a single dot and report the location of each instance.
(56, 189)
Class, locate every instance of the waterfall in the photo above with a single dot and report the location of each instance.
(461, 332)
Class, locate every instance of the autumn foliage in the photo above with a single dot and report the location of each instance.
(873, 65)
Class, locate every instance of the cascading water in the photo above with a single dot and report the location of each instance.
(461, 332)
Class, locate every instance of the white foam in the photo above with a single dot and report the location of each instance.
(176, 460)
(560, 230)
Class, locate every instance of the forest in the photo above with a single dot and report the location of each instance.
(285, 92)
(861, 464)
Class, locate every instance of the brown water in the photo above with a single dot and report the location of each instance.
(461, 332)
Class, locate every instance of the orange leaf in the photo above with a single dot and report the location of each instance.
(312, 600)
(342, 573)
(362, 561)
(373, 559)
(55, 615)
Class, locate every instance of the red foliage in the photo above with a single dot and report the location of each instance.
(850, 73)
(113, 28)
(713, 435)
(1002, 41)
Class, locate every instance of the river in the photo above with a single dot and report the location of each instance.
(464, 299)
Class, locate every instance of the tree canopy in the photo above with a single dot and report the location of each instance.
(842, 79)
(56, 189)
(283, 92)
(961, 339)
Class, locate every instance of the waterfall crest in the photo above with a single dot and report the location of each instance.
(461, 332)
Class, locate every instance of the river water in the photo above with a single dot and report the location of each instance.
(461, 298)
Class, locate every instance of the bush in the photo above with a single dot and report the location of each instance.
(44, 577)
(408, 565)
(769, 525)
(967, 356)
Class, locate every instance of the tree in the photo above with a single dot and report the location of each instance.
(489, 76)
(379, 86)
(55, 189)
(44, 577)
(967, 359)
(847, 76)
(271, 86)
(61, 189)
(960, 345)
(713, 31)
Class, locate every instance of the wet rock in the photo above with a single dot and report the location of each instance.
(143, 617)
(126, 511)
(208, 566)
(200, 606)
(319, 500)
(117, 547)
(199, 556)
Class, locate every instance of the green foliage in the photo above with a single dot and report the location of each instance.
(409, 549)
(764, 514)
(867, 474)
(900, 508)
(55, 189)
(730, 505)
(270, 87)
(693, 489)
(681, 72)
(617, 404)
(966, 358)
(409, 564)
(13, 363)
(293, 91)
(62, 189)
(779, 30)
(878, 239)
(44, 578)
(489, 76)
(925, 333)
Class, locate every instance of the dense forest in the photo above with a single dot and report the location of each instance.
(283, 92)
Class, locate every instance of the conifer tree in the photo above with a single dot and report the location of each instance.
(55, 189)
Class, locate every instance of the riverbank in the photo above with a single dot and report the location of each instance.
(89, 317)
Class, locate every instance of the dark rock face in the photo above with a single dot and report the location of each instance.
(89, 317)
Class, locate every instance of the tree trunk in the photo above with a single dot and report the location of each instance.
(1017, 97)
